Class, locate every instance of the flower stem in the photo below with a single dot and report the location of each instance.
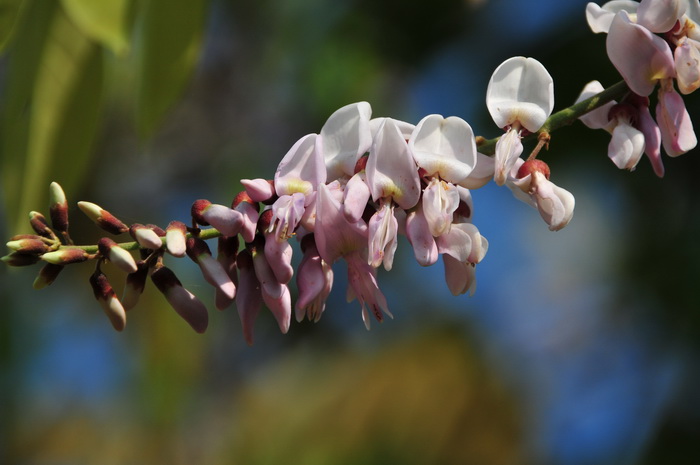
(204, 234)
(568, 115)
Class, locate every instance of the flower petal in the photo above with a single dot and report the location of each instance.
(520, 90)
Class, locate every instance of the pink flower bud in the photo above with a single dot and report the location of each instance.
(175, 238)
(213, 272)
(117, 255)
(135, 284)
(250, 211)
(249, 298)
(227, 250)
(189, 307)
(103, 218)
(108, 300)
(260, 190)
(145, 236)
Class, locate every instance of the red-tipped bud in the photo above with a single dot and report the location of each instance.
(39, 224)
(117, 255)
(108, 300)
(47, 275)
(145, 236)
(27, 244)
(532, 166)
(103, 218)
(189, 307)
(20, 259)
(66, 256)
(58, 208)
(198, 207)
(135, 284)
(175, 238)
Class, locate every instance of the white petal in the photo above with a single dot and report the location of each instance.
(444, 146)
(520, 90)
(600, 17)
(344, 138)
(598, 118)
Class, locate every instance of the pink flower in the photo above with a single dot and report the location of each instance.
(677, 133)
(556, 205)
(520, 95)
(314, 281)
(641, 57)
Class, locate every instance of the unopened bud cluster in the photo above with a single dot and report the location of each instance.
(349, 191)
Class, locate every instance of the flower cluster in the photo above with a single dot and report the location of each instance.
(349, 191)
(651, 43)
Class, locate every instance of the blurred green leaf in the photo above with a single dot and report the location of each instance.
(103, 20)
(9, 16)
(58, 111)
(24, 57)
(169, 35)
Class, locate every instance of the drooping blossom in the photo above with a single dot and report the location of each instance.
(520, 96)
(530, 182)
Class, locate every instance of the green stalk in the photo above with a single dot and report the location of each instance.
(568, 115)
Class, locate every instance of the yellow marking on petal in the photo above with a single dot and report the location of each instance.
(298, 185)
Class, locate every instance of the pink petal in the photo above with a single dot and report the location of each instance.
(660, 15)
(641, 57)
(302, 169)
(677, 133)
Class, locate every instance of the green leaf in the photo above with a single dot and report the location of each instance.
(169, 37)
(9, 14)
(23, 59)
(58, 116)
(102, 20)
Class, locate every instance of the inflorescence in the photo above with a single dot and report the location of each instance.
(349, 191)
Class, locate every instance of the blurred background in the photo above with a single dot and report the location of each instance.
(579, 347)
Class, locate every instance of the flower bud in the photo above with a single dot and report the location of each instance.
(20, 259)
(39, 224)
(228, 221)
(108, 300)
(47, 275)
(175, 238)
(31, 245)
(145, 236)
(189, 307)
(260, 190)
(214, 273)
(103, 218)
(66, 256)
(58, 208)
(227, 250)
(117, 255)
(250, 210)
(135, 284)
